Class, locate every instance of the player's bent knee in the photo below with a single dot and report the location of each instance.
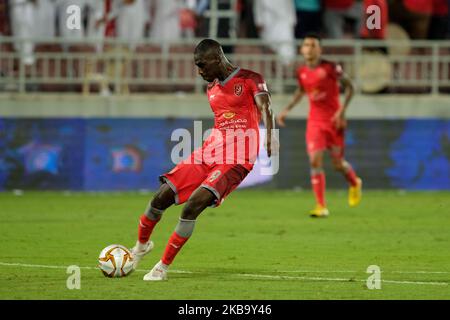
(201, 199)
(190, 213)
(315, 162)
(193, 208)
(164, 198)
(338, 164)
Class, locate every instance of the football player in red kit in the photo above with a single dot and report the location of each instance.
(326, 124)
(239, 99)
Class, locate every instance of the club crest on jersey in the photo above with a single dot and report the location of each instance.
(214, 175)
(238, 89)
(321, 73)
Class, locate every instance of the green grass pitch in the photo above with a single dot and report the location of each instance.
(257, 245)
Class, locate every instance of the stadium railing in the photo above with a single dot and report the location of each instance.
(63, 65)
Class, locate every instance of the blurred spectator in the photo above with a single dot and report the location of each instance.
(4, 26)
(224, 28)
(202, 25)
(23, 19)
(63, 15)
(309, 17)
(275, 21)
(97, 22)
(45, 19)
(448, 19)
(375, 33)
(335, 14)
(438, 28)
(413, 15)
(125, 20)
(188, 19)
(131, 17)
(247, 28)
(99, 26)
(166, 26)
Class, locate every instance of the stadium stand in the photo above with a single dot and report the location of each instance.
(397, 64)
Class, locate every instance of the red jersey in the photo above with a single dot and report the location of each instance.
(440, 7)
(321, 86)
(236, 117)
(419, 6)
(338, 4)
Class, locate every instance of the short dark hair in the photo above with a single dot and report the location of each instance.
(208, 45)
(313, 35)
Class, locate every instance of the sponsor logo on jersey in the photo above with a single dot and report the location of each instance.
(317, 95)
(229, 115)
(238, 89)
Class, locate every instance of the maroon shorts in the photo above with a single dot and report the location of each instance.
(321, 137)
(220, 179)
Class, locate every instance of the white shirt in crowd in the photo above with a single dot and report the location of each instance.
(23, 17)
(277, 20)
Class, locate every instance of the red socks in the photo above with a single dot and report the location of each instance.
(145, 228)
(318, 186)
(173, 246)
(350, 175)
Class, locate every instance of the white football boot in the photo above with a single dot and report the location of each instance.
(158, 273)
(140, 250)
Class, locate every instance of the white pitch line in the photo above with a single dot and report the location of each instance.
(247, 275)
(65, 267)
(338, 279)
(354, 271)
(418, 272)
(25, 265)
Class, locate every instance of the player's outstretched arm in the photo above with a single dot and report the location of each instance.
(263, 102)
(295, 100)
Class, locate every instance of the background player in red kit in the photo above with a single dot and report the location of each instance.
(319, 79)
(239, 99)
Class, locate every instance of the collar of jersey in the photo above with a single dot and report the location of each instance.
(224, 82)
(315, 67)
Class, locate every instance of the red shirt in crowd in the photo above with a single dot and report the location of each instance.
(419, 6)
(338, 4)
(440, 7)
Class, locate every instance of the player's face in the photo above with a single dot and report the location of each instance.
(311, 49)
(207, 67)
